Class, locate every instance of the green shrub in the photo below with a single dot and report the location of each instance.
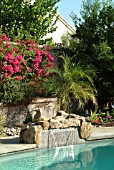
(15, 92)
(2, 122)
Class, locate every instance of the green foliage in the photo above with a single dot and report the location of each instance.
(93, 116)
(71, 80)
(95, 44)
(100, 117)
(25, 19)
(15, 92)
(2, 122)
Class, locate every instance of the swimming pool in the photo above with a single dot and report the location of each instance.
(89, 156)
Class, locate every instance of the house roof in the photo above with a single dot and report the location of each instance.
(66, 23)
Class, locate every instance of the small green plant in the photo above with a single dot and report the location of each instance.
(95, 118)
(102, 114)
(2, 122)
(112, 113)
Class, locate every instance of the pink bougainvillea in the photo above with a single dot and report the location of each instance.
(23, 60)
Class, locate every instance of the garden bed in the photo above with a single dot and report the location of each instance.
(104, 124)
(108, 124)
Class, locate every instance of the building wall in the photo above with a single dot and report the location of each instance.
(62, 28)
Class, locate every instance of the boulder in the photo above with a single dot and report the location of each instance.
(65, 123)
(24, 127)
(31, 135)
(62, 114)
(44, 124)
(86, 130)
(71, 116)
(36, 114)
(38, 135)
(74, 122)
(43, 118)
(54, 124)
(12, 131)
(59, 118)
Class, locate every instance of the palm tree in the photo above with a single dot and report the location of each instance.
(71, 80)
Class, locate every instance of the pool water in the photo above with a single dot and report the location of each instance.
(89, 156)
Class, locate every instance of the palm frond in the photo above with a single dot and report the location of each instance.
(72, 79)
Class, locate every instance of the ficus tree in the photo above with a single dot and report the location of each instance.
(28, 18)
(94, 43)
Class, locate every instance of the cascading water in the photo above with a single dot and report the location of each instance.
(62, 137)
(54, 138)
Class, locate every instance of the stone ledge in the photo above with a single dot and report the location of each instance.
(43, 100)
(102, 133)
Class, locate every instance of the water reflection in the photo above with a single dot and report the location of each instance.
(92, 156)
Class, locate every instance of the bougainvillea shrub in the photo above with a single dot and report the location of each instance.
(23, 64)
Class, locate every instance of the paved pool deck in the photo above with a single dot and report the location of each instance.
(12, 144)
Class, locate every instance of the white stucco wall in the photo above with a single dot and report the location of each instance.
(62, 28)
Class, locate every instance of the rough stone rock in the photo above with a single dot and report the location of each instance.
(61, 121)
(65, 123)
(16, 115)
(62, 113)
(31, 135)
(12, 131)
(44, 124)
(70, 123)
(71, 116)
(87, 119)
(28, 118)
(38, 135)
(83, 119)
(47, 107)
(74, 122)
(54, 124)
(43, 118)
(18, 130)
(59, 118)
(86, 130)
(24, 127)
(36, 114)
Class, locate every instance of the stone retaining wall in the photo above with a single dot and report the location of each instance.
(40, 107)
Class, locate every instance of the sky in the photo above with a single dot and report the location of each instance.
(65, 7)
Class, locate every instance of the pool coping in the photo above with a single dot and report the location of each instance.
(102, 133)
(10, 145)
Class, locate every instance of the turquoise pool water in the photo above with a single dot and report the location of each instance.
(91, 156)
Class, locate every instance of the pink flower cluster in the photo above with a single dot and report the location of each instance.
(108, 116)
(23, 60)
(11, 64)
